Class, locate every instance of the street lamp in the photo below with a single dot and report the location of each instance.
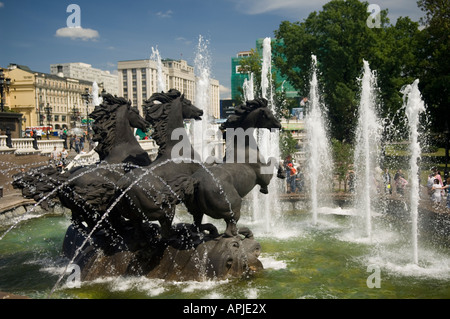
(48, 110)
(41, 117)
(4, 87)
(86, 96)
(75, 114)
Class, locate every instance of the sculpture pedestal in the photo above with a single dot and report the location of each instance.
(185, 256)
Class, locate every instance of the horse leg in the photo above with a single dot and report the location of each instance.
(281, 173)
(199, 227)
(197, 220)
(231, 222)
(166, 223)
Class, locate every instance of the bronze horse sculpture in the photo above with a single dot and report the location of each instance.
(219, 190)
(89, 190)
(132, 193)
(152, 192)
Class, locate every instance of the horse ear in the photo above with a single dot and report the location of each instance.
(182, 97)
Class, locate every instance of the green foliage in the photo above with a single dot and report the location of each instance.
(340, 38)
(434, 60)
(252, 64)
(288, 144)
(342, 158)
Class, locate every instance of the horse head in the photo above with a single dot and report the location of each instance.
(189, 110)
(264, 118)
(136, 120)
(253, 114)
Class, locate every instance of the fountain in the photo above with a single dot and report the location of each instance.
(268, 207)
(367, 146)
(318, 147)
(114, 235)
(160, 75)
(200, 129)
(114, 202)
(414, 106)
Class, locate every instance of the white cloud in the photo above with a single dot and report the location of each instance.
(167, 14)
(289, 7)
(183, 40)
(2, 4)
(225, 92)
(78, 33)
(300, 9)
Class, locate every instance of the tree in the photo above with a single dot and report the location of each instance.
(342, 159)
(252, 64)
(340, 38)
(288, 144)
(434, 60)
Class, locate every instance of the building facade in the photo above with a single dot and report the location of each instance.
(238, 78)
(47, 99)
(84, 71)
(138, 80)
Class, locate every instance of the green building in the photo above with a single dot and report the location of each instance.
(237, 78)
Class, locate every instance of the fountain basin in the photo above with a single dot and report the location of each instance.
(186, 256)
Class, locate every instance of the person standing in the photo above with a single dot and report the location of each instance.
(54, 156)
(64, 155)
(436, 195)
(400, 182)
(387, 181)
(77, 144)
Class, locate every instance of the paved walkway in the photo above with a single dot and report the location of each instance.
(12, 198)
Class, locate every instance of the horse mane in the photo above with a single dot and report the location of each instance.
(157, 109)
(105, 118)
(242, 111)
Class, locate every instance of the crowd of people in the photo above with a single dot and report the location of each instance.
(59, 158)
(438, 187)
(294, 177)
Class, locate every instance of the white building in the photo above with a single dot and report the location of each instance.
(84, 71)
(138, 80)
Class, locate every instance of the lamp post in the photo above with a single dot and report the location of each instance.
(86, 96)
(48, 111)
(75, 114)
(41, 119)
(4, 87)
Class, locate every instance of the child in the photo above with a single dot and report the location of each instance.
(436, 192)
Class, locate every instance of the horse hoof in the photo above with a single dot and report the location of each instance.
(264, 190)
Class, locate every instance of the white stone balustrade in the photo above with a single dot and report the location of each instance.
(25, 146)
(47, 146)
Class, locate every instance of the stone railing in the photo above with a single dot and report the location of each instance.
(47, 146)
(22, 146)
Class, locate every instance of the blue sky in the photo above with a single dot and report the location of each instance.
(126, 30)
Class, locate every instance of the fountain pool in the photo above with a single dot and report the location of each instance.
(301, 260)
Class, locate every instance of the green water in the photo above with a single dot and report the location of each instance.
(301, 260)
